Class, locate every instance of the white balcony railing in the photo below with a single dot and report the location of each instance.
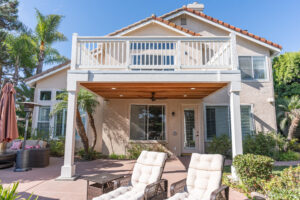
(153, 53)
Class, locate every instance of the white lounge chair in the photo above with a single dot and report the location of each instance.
(203, 180)
(144, 183)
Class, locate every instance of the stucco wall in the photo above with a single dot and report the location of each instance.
(153, 29)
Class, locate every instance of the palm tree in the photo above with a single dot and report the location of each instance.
(86, 101)
(289, 114)
(46, 34)
(21, 53)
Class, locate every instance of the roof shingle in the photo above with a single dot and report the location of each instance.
(159, 19)
(244, 32)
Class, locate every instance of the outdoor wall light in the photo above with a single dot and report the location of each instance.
(173, 114)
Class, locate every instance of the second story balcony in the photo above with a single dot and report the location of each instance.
(154, 53)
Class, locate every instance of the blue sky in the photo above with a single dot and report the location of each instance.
(276, 20)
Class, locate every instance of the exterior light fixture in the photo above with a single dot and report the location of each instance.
(121, 95)
(113, 88)
(193, 88)
(184, 95)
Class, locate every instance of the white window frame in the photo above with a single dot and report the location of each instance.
(49, 121)
(148, 104)
(204, 116)
(50, 103)
(266, 79)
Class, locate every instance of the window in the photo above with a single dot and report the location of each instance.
(57, 95)
(246, 120)
(183, 21)
(253, 67)
(60, 123)
(217, 121)
(43, 125)
(147, 122)
(45, 95)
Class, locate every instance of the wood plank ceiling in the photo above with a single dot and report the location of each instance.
(153, 90)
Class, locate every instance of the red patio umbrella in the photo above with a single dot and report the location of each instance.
(8, 119)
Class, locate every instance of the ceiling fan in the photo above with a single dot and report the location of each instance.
(153, 98)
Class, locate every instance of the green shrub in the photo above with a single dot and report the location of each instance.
(260, 144)
(57, 147)
(11, 193)
(134, 150)
(288, 156)
(284, 186)
(117, 157)
(252, 169)
(91, 155)
(220, 145)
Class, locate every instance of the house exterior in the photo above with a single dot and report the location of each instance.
(179, 79)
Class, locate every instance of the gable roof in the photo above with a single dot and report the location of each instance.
(31, 80)
(156, 19)
(219, 22)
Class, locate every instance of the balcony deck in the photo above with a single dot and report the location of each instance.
(153, 53)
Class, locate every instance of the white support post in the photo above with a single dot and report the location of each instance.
(179, 54)
(128, 60)
(74, 51)
(235, 116)
(68, 169)
(234, 56)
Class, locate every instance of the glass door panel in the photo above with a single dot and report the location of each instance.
(189, 128)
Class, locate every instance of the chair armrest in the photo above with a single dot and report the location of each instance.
(218, 191)
(124, 181)
(157, 190)
(178, 186)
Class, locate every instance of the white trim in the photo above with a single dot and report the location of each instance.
(32, 81)
(224, 28)
(149, 22)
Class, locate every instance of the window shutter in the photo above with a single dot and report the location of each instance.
(210, 123)
(246, 120)
(222, 121)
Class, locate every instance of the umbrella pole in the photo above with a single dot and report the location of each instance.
(22, 160)
(26, 127)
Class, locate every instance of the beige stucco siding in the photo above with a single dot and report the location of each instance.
(153, 29)
(200, 27)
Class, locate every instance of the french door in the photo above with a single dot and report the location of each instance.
(190, 120)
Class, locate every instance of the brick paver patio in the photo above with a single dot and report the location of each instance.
(42, 181)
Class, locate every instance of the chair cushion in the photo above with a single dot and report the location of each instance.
(16, 145)
(123, 193)
(148, 168)
(204, 175)
(179, 196)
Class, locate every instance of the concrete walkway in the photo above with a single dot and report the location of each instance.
(42, 181)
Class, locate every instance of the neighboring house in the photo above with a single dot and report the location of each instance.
(180, 79)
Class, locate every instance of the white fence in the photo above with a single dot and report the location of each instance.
(153, 53)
